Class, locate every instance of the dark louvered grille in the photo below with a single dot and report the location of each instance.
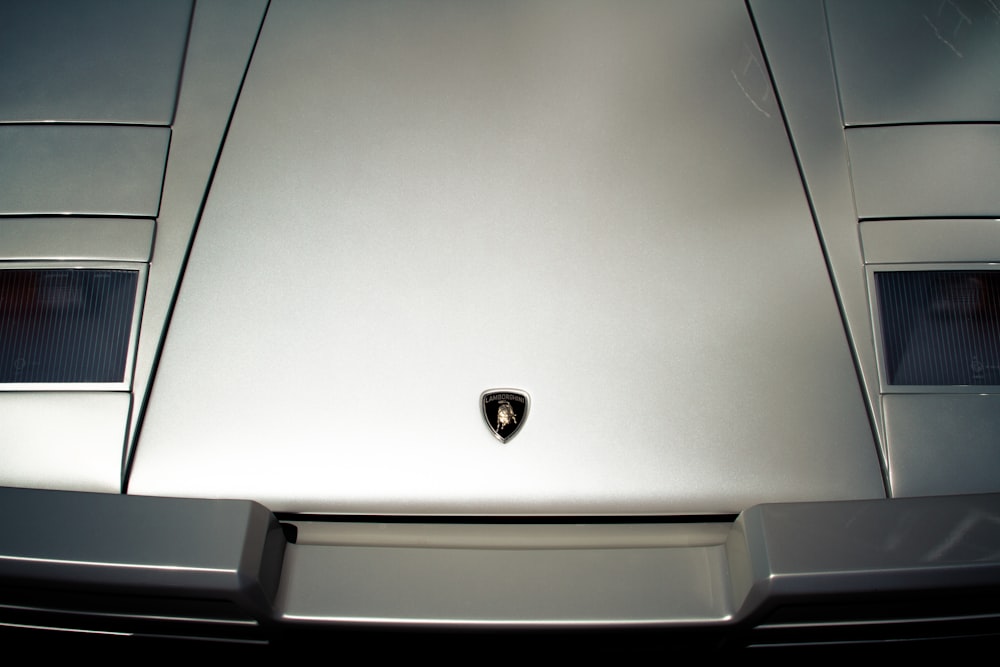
(940, 327)
(65, 325)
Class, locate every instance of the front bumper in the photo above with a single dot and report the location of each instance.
(228, 569)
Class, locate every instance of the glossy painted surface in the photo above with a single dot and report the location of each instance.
(891, 63)
(432, 207)
(624, 586)
(925, 170)
(916, 61)
(63, 440)
(796, 39)
(111, 61)
(604, 204)
(223, 33)
(514, 535)
(197, 563)
(942, 444)
(780, 565)
(907, 241)
(923, 553)
(62, 238)
(175, 557)
(81, 169)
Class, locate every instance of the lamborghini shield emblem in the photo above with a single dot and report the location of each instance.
(505, 411)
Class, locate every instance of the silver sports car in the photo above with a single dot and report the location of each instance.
(568, 314)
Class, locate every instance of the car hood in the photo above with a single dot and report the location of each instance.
(596, 205)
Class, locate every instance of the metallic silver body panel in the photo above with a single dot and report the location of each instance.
(925, 170)
(219, 48)
(593, 201)
(892, 67)
(168, 560)
(67, 238)
(916, 61)
(62, 440)
(438, 207)
(510, 535)
(917, 547)
(775, 558)
(797, 45)
(906, 241)
(81, 169)
(619, 586)
(115, 61)
(895, 172)
(769, 572)
(943, 444)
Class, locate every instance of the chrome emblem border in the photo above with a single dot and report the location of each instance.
(504, 411)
